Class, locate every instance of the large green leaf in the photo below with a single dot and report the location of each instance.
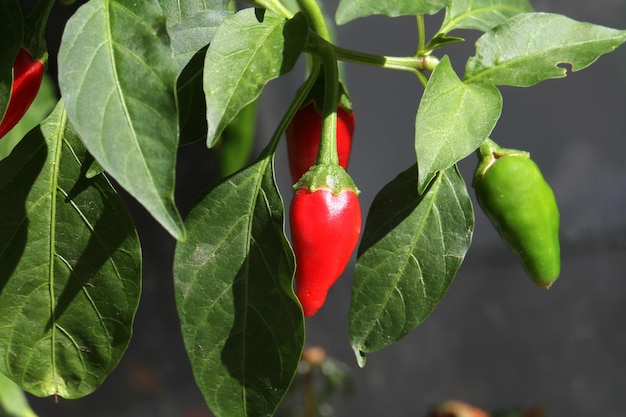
(118, 78)
(452, 120)
(241, 322)
(412, 247)
(192, 25)
(352, 9)
(70, 266)
(250, 49)
(11, 33)
(481, 15)
(532, 47)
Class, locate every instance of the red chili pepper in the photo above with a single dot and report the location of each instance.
(303, 137)
(325, 230)
(27, 76)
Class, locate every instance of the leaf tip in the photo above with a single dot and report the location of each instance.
(359, 355)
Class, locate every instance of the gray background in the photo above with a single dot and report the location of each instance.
(495, 340)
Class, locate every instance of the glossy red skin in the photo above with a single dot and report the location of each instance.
(303, 137)
(27, 76)
(325, 230)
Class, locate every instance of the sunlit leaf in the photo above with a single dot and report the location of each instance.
(256, 46)
(452, 120)
(118, 77)
(481, 14)
(352, 9)
(532, 47)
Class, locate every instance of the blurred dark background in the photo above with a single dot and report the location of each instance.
(495, 340)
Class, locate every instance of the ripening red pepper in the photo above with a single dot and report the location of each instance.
(303, 137)
(27, 76)
(325, 230)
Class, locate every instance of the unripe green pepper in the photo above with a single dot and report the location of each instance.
(521, 206)
(233, 150)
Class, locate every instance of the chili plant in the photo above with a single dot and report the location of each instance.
(139, 79)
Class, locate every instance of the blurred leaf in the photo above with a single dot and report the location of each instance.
(118, 78)
(70, 266)
(452, 120)
(13, 401)
(352, 9)
(256, 46)
(533, 47)
(412, 247)
(242, 325)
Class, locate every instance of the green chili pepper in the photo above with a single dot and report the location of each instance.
(521, 206)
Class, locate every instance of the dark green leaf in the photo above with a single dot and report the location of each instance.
(241, 322)
(412, 247)
(256, 47)
(70, 266)
(452, 120)
(533, 47)
(118, 78)
(352, 9)
(11, 34)
(481, 15)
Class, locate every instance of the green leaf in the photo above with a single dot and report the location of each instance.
(38, 110)
(481, 15)
(255, 46)
(13, 401)
(70, 266)
(242, 325)
(412, 247)
(353, 9)
(440, 40)
(118, 78)
(192, 25)
(532, 47)
(452, 120)
(11, 34)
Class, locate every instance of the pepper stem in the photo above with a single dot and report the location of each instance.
(301, 95)
(327, 153)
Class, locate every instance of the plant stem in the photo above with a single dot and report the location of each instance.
(421, 34)
(422, 78)
(301, 94)
(309, 398)
(408, 63)
(315, 16)
(327, 152)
